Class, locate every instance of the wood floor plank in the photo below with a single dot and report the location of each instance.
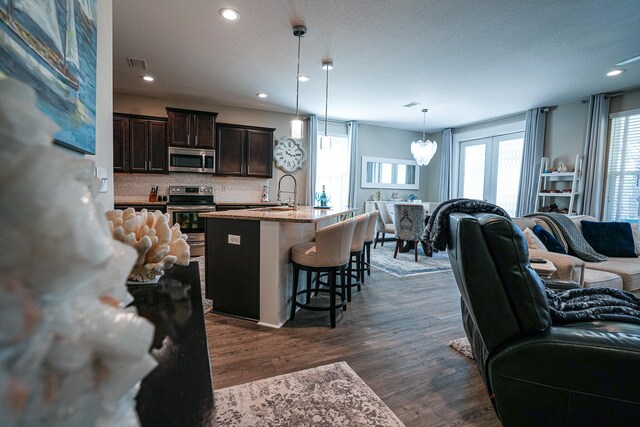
(394, 335)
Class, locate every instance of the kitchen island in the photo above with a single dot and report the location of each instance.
(248, 260)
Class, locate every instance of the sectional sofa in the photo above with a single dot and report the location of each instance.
(619, 273)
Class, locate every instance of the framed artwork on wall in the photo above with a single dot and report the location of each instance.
(51, 45)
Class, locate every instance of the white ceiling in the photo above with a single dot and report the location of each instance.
(466, 60)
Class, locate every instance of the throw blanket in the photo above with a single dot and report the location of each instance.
(559, 223)
(435, 234)
(584, 304)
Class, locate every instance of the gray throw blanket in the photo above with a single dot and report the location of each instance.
(559, 223)
(585, 304)
(435, 234)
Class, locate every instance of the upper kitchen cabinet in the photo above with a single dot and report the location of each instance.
(139, 143)
(190, 128)
(244, 150)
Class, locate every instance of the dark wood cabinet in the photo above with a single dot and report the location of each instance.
(190, 128)
(120, 145)
(244, 150)
(139, 144)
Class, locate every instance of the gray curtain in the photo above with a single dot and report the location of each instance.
(595, 147)
(312, 137)
(534, 129)
(445, 165)
(352, 134)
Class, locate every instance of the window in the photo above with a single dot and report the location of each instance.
(333, 163)
(489, 164)
(622, 193)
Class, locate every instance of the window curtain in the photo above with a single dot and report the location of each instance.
(352, 135)
(533, 148)
(595, 147)
(311, 155)
(445, 165)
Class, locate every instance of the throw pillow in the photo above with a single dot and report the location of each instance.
(533, 242)
(610, 238)
(636, 237)
(550, 242)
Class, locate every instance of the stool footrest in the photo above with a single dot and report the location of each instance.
(319, 308)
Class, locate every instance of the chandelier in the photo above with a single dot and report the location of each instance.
(422, 150)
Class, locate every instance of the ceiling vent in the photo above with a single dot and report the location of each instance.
(137, 63)
(411, 104)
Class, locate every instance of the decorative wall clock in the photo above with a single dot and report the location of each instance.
(289, 155)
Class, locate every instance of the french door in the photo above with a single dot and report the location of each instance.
(490, 169)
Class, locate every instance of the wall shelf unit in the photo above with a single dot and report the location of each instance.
(549, 188)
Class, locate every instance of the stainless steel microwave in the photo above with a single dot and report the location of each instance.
(192, 160)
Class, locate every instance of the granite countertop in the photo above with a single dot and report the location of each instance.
(303, 214)
(136, 201)
(249, 203)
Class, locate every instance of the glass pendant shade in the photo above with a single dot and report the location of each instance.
(296, 128)
(423, 149)
(325, 142)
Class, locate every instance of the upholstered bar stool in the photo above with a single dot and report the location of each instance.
(409, 225)
(384, 224)
(369, 235)
(329, 253)
(357, 249)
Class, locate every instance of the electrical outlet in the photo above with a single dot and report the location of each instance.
(101, 174)
(233, 239)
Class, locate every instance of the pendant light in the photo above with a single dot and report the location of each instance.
(325, 141)
(423, 150)
(296, 124)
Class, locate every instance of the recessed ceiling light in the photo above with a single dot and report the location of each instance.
(147, 78)
(616, 72)
(262, 95)
(303, 78)
(229, 14)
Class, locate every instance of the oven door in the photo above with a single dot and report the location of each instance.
(190, 224)
(192, 160)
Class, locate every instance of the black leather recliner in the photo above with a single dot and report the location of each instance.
(537, 373)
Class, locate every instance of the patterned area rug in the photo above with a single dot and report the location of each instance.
(207, 304)
(462, 345)
(329, 395)
(404, 265)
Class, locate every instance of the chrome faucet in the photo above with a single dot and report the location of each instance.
(295, 191)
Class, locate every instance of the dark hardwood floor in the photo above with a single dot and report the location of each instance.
(394, 335)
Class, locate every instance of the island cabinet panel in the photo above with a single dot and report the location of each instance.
(232, 254)
(244, 150)
(139, 143)
(190, 128)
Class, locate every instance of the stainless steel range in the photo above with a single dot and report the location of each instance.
(183, 207)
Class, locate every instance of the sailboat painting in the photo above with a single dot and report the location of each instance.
(51, 45)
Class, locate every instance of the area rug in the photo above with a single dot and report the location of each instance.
(404, 264)
(462, 345)
(207, 304)
(329, 395)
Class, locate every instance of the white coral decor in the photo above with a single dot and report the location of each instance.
(159, 247)
(71, 352)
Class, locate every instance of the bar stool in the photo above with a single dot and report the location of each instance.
(329, 253)
(369, 235)
(357, 249)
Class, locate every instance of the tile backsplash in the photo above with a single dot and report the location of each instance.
(225, 189)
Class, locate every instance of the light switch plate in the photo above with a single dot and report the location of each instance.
(101, 174)
(233, 239)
